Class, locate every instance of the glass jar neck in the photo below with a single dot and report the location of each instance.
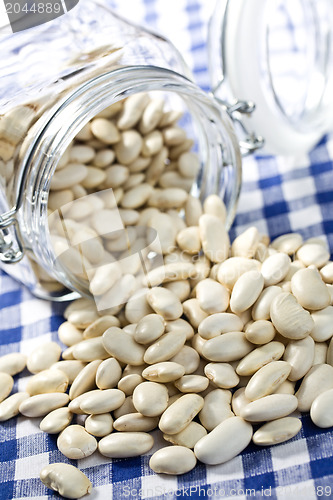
(57, 128)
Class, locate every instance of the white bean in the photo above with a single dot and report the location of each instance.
(173, 460)
(224, 442)
(246, 244)
(13, 363)
(99, 425)
(41, 404)
(188, 239)
(222, 375)
(123, 347)
(260, 357)
(267, 379)
(216, 408)
(6, 385)
(193, 211)
(231, 269)
(56, 421)
(85, 380)
(192, 383)
(193, 312)
(188, 358)
(275, 268)
(289, 317)
(70, 367)
(299, 354)
(151, 116)
(43, 357)
(150, 398)
(213, 297)
(166, 371)
(321, 411)
(170, 272)
(149, 329)
(74, 442)
(132, 111)
(326, 273)
(101, 401)
(105, 131)
(10, 406)
(218, 323)
(309, 289)
(323, 324)
(318, 379)
(69, 334)
(66, 479)
(313, 254)
(214, 238)
(288, 243)
(246, 291)
(214, 205)
(90, 349)
(72, 174)
(165, 347)
(261, 308)
(239, 401)
(108, 374)
(125, 444)
(181, 288)
(165, 303)
(227, 347)
(260, 332)
(269, 407)
(187, 437)
(135, 422)
(177, 416)
(180, 325)
(47, 381)
(278, 431)
(98, 327)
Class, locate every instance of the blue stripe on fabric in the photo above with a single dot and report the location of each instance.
(10, 335)
(123, 470)
(11, 298)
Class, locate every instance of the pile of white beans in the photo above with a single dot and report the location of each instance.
(210, 344)
(130, 164)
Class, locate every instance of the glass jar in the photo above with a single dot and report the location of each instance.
(278, 55)
(59, 76)
(55, 79)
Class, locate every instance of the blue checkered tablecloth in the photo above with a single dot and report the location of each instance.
(279, 195)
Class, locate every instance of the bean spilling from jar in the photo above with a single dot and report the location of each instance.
(203, 347)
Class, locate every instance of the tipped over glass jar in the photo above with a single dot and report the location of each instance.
(98, 118)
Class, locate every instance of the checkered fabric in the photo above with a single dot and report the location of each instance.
(278, 195)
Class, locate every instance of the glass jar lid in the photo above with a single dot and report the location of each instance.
(278, 55)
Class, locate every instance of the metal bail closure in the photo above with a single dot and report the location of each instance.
(248, 141)
(9, 254)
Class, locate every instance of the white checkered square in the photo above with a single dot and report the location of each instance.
(29, 467)
(34, 310)
(27, 426)
(290, 454)
(305, 217)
